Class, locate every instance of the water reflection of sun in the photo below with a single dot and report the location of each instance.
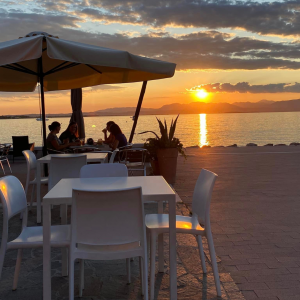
(203, 131)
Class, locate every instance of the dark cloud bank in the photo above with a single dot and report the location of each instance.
(207, 49)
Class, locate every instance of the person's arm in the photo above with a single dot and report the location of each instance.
(114, 145)
(77, 143)
(58, 147)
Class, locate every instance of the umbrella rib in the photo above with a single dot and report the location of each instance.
(19, 70)
(60, 65)
(62, 68)
(94, 69)
(26, 69)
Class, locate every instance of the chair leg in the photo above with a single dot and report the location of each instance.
(141, 276)
(71, 279)
(2, 167)
(2, 256)
(201, 252)
(17, 269)
(152, 264)
(31, 199)
(81, 283)
(8, 165)
(128, 270)
(145, 276)
(214, 262)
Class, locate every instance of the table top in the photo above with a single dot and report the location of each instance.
(100, 147)
(154, 188)
(91, 157)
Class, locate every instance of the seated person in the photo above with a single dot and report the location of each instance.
(53, 142)
(71, 134)
(111, 138)
(120, 138)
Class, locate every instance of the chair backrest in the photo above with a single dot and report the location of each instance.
(12, 196)
(112, 157)
(20, 143)
(107, 217)
(103, 170)
(202, 195)
(4, 150)
(134, 155)
(30, 159)
(65, 166)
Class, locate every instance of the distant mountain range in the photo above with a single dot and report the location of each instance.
(208, 108)
(191, 108)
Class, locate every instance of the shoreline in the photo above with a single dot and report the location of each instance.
(17, 117)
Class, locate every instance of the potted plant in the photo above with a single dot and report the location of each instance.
(164, 151)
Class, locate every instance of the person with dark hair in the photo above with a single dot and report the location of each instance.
(120, 138)
(71, 135)
(53, 142)
(110, 139)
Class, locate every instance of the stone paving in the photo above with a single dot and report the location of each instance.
(107, 279)
(255, 215)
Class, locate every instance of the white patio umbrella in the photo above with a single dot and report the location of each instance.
(60, 64)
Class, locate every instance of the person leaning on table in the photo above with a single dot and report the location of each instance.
(53, 142)
(71, 134)
(110, 139)
(120, 138)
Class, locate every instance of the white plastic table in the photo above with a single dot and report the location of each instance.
(91, 157)
(154, 188)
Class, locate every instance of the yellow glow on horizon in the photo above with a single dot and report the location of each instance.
(203, 131)
(202, 94)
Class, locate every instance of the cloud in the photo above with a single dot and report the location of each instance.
(245, 87)
(266, 18)
(279, 18)
(105, 87)
(206, 49)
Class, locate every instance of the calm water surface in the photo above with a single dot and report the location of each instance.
(211, 129)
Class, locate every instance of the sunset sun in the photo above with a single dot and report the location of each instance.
(202, 94)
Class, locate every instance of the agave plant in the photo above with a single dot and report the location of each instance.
(167, 139)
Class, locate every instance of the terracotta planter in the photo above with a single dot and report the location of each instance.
(167, 161)
(155, 167)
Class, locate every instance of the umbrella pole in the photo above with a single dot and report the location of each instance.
(41, 77)
(138, 109)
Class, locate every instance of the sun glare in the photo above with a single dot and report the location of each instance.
(202, 94)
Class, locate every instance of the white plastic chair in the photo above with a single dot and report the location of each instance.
(63, 166)
(108, 225)
(113, 154)
(31, 166)
(134, 159)
(14, 202)
(4, 152)
(159, 223)
(103, 170)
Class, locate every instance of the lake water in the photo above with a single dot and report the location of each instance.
(203, 129)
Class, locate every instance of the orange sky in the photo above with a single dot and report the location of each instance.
(158, 93)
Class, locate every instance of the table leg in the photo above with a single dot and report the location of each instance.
(46, 252)
(38, 193)
(172, 248)
(161, 268)
(64, 251)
